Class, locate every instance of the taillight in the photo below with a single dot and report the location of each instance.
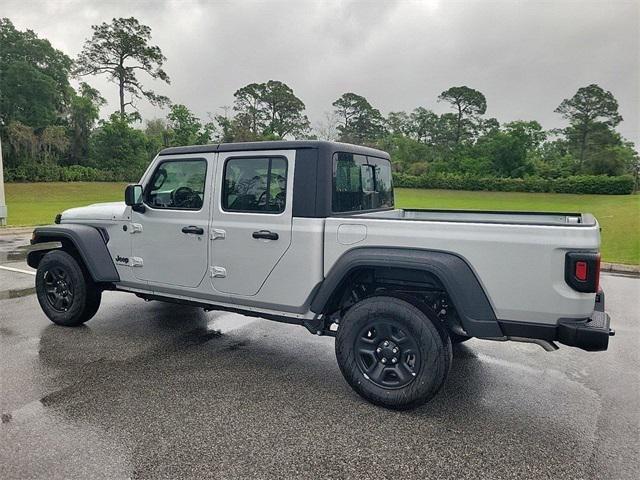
(582, 271)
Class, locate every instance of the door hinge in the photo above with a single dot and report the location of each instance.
(135, 228)
(218, 272)
(218, 233)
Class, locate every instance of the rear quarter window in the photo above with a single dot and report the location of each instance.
(361, 183)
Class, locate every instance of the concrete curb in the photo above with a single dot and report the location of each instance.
(620, 268)
(5, 231)
(633, 270)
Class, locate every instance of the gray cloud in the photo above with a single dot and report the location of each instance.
(524, 56)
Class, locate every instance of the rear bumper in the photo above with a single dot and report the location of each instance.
(590, 334)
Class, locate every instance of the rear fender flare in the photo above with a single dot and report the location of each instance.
(465, 290)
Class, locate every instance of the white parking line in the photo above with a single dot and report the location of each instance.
(11, 269)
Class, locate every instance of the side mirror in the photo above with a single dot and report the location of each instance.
(133, 197)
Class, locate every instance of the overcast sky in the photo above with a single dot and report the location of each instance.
(524, 56)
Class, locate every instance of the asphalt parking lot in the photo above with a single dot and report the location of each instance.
(148, 390)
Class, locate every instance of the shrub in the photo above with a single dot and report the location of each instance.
(584, 184)
(43, 172)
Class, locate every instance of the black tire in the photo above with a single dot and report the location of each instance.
(415, 338)
(65, 290)
(456, 338)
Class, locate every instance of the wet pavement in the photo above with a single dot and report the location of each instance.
(148, 390)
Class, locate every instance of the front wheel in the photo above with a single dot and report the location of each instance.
(66, 293)
(392, 353)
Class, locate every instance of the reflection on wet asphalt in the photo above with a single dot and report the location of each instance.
(13, 249)
(13, 254)
(15, 293)
(150, 390)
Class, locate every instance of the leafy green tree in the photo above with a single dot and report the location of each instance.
(158, 135)
(424, 125)
(269, 109)
(485, 126)
(117, 147)
(530, 133)
(121, 49)
(34, 78)
(512, 151)
(445, 131)
(359, 122)
(507, 152)
(553, 160)
(590, 109)
(468, 103)
(23, 142)
(285, 111)
(399, 123)
(608, 153)
(83, 113)
(409, 155)
(53, 143)
(186, 128)
(613, 160)
(32, 146)
(226, 129)
(249, 108)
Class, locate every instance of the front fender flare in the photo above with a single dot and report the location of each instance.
(469, 298)
(87, 240)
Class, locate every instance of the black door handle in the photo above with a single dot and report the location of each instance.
(265, 234)
(193, 229)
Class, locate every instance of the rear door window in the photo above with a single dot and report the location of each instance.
(256, 185)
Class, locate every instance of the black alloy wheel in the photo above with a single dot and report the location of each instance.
(66, 292)
(386, 354)
(59, 289)
(393, 352)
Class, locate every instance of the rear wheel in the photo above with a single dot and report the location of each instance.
(392, 353)
(65, 291)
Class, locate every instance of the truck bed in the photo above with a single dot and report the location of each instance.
(480, 216)
(519, 257)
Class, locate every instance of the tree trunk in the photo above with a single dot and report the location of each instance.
(583, 148)
(121, 98)
(459, 125)
(121, 78)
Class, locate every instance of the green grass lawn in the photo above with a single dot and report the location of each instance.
(619, 215)
(38, 203)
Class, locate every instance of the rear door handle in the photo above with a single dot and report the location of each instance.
(266, 234)
(193, 229)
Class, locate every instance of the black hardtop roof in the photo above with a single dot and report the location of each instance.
(328, 147)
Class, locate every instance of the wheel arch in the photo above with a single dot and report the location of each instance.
(449, 270)
(88, 244)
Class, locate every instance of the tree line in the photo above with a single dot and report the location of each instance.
(51, 131)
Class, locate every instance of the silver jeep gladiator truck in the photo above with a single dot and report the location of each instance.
(307, 233)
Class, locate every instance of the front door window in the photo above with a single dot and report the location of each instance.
(177, 185)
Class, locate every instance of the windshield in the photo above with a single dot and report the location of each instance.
(361, 183)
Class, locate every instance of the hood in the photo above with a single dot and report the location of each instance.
(97, 211)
